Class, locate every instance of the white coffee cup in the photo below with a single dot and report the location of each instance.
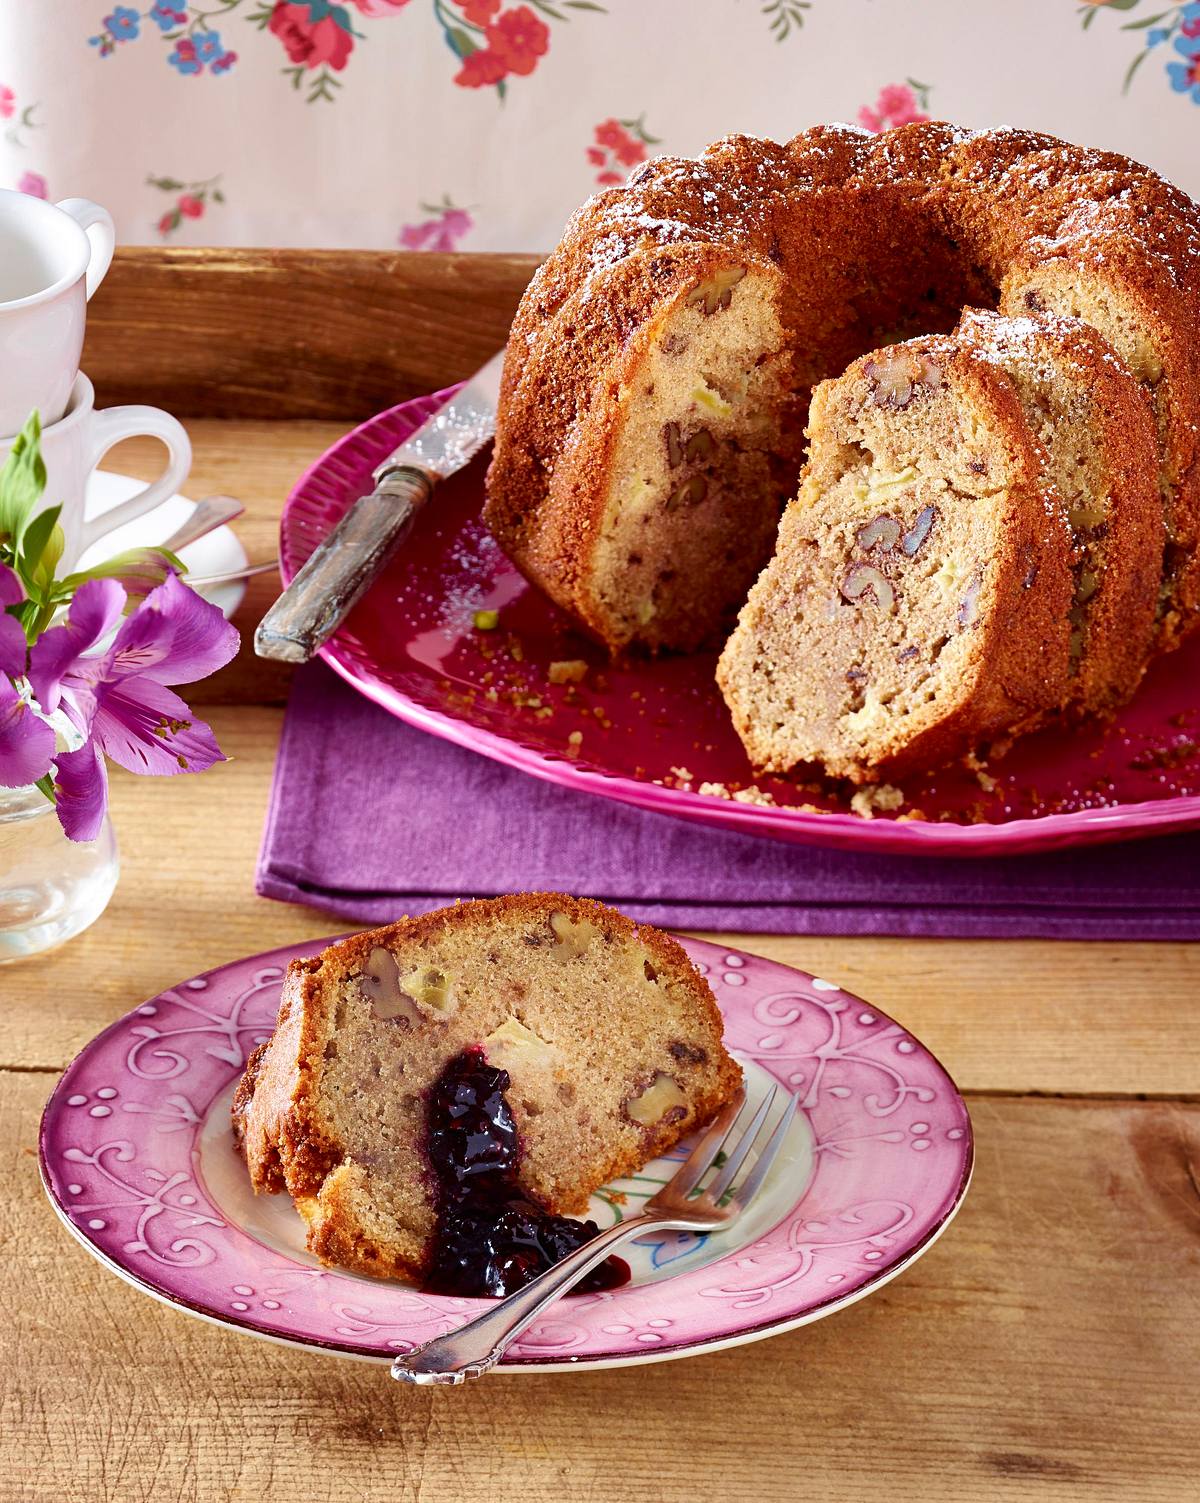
(52, 258)
(74, 446)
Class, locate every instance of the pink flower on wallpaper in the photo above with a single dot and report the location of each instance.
(34, 184)
(7, 102)
(375, 8)
(443, 231)
(307, 42)
(898, 104)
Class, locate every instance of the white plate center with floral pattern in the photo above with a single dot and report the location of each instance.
(137, 1159)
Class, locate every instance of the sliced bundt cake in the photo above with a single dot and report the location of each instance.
(807, 255)
(917, 602)
(1095, 428)
(601, 1035)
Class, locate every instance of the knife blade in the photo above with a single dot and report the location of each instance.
(344, 565)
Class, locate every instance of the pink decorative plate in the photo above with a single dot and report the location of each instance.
(657, 734)
(137, 1158)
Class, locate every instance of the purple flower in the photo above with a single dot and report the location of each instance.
(13, 647)
(26, 743)
(118, 699)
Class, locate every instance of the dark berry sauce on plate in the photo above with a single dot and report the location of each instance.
(491, 1238)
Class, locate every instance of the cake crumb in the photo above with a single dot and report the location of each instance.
(753, 795)
(876, 796)
(570, 671)
(681, 774)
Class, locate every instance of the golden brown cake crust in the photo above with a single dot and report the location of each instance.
(866, 231)
(282, 1116)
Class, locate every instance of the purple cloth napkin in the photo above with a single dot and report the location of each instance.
(370, 819)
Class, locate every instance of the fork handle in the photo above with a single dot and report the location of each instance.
(476, 1347)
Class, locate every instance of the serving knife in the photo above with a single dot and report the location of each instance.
(343, 566)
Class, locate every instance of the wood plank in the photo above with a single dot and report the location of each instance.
(1047, 1347)
(294, 333)
(1029, 1016)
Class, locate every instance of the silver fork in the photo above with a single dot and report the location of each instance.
(476, 1347)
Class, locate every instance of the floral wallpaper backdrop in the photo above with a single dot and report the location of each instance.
(480, 124)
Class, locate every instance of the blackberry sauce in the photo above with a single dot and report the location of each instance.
(491, 1238)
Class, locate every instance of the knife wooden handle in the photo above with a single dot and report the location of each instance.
(339, 572)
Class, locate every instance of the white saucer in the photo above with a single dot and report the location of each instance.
(218, 553)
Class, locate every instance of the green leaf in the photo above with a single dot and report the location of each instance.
(42, 547)
(1132, 69)
(45, 784)
(1089, 16)
(218, 196)
(22, 481)
(167, 184)
(140, 570)
(584, 5)
(1149, 21)
(460, 41)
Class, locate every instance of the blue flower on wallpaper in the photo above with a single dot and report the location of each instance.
(184, 57)
(123, 24)
(1156, 35)
(166, 16)
(208, 46)
(1185, 76)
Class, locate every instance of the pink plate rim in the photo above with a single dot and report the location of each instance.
(847, 831)
(856, 1162)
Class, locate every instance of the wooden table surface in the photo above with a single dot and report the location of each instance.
(1047, 1347)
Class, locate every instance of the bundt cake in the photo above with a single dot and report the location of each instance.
(589, 1044)
(1095, 429)
(658, 368)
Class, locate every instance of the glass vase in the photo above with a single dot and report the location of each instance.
(51, 888)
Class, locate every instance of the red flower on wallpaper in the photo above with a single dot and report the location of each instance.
(480, 70)
(494, 43)
(310, 43)
(619, 143)
(518, 39)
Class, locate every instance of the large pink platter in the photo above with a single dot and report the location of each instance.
(138, 1161)
(655, 733)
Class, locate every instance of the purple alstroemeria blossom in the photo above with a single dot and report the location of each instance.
(118, 699)
(81, 791)
(58, 653)
(13, 647)
(26, 743)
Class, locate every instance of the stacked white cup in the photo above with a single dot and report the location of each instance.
(52, 258)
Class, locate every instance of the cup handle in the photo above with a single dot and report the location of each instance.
(108, 428)
(97, 225)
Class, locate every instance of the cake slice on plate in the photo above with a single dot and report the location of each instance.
(536, 1046)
